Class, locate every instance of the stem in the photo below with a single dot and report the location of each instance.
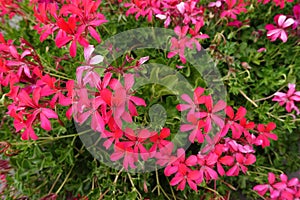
(268, 97)
(275, 117)
(229, 185)
(102, 195)
(132, 184)
(52, 187)
(64, 182)
(214, 191)
(246, 97)
(272, 169)
(59, 76)
(261, 174)
(163, 191)
(117, 176)
(172, 191)
(157, 180)
(64, 136)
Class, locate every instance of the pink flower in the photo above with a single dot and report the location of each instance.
(262, 189)
(37, 110)
(283, 189)
(296, 10)
(263, 49)
(194, 127)
(91, 77)
(178, 45)
(195, 34)
(125, 151)
(216, 4)
(123, 98)
(279, 31)
(210, 115)
(288, 98)
(190, 12)
(111, 137)
(207, 163)
(137, 140)
(143, 8)
(192, 105)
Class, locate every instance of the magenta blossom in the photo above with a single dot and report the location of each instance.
(217, 4)
(279, 31)
(288, 98)
(296, 10)
(283, 189)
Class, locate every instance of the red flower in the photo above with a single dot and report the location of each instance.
(159, 141)
(179, 163)
(231, 123)
(73, 22)
(233, 9)
(265, 133)
(44, 113)
(137, 142)
(124, 150)
(241, 161)
(186, 175)
(210, 115)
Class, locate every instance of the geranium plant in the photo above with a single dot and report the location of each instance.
(76, 119)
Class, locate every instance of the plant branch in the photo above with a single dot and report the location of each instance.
(246, 97)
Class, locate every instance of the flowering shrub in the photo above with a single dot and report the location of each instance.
(201, 147)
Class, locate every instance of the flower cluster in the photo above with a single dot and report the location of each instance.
(106, 105)
(227, 152)
(34, 95)
(72, 22)
(108, 102)
(289, 98)
(187, 16)
(280, 3)
(281, 188)
(9, 8)
(229, 9)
